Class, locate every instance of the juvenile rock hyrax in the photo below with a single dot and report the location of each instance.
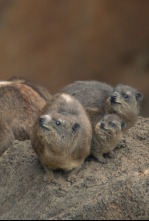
(19, 108)
(43, 92)
(100, 98)
(107, 133)
(62, 135)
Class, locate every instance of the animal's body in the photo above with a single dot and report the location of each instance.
(62, 134)
(107, 133)
(19, 108)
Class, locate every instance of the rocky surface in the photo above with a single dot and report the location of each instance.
(117, 190)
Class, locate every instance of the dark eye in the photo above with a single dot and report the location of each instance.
(125, 96)
(112, 124)
(58, 123)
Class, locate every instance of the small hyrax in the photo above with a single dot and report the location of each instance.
(107, 133)
(62, 135)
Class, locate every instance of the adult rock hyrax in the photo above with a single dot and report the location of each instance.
(62, 135)
(107, 133)
(43, 92)
(100, 98)
(19, 108)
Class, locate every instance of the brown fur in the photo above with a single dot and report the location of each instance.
(43, 92)
(63, 146)
(107, 133)
(91, 94)
(128, 108)
(19, 107)
(96, 98)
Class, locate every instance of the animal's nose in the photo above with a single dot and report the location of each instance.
(113, 98)
(102, 125)
(41, 119)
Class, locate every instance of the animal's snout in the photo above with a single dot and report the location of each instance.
(102, 125)
(113, 98)
(45, 119)
(41, 119)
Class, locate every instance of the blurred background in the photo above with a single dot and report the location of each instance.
(55, 42)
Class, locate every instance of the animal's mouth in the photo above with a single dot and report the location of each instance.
(104, 130)
(114, 101)
(44, 127)
(102, 133)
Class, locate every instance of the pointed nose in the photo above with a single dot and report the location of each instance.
(45, 119)
(102, 125)
(113, 98)
(41, 119)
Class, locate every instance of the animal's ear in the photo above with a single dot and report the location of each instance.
(75, 127)
(139, 96)
(123, 125)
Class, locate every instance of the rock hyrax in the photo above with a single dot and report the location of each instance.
(43, 92)
(124, 101)
(107, 133)
(19, 108)
(101, 98)
(62, 135)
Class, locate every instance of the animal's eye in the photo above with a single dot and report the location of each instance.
(125, 96)
(58, 123)
(112, 124)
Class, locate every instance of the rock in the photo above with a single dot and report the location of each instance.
(118, 190)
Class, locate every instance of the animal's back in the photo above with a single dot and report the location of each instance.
(19, 106)
(90, 93)
(43, 92)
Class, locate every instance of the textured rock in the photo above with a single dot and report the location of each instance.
(117, 190)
